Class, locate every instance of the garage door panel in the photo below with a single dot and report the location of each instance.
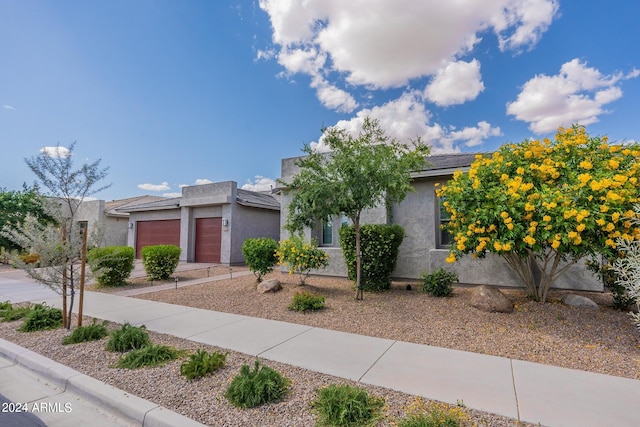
(208, 239)
(157, 232)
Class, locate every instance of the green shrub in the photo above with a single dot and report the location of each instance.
(202, 363)
(150, 355)
(434, 414)
(301, 257)
(260, 255)
(621, 298)
(257, 386)
(160, 261)
(345, 405)
(439, 283)
(128, 337)
(93, 332)
(42, 317)
(306, 301)
(30, 258)
(9, 313)
(379, 244)
(112, 265)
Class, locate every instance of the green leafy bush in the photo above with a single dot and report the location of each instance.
(112, 265)
(160, 261)
(202, 363)
(260, 255)
(345, 405)
(621, 298)
(41, 317)
(150, 355)
(93, 332)
(257, 386)
(306, 301)
(379, 244)
(301, 257)
(128, 337)
(439, 283)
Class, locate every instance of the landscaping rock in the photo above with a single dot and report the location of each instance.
(490, 299)
(579, 301)
(271, 285)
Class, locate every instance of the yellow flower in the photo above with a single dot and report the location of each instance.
(586, 164)
(546, 218)
(451, 258)
(529, 240)
(520, 170)
(510, 226)
(529, 207)
(581, 227)
(610, 242)
(613, 164)
(615, 216)
(497, 246)
(506, 246)
(504, 215)
(555, 244)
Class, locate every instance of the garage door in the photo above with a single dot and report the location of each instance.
(159, 232)
(208, 238)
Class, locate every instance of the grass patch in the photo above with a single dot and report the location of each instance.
(202, 363)
(93, 332)
(9, 313)
(41, 317)
(257, 386)
(151, 355)
(345, 405)
(128, 337)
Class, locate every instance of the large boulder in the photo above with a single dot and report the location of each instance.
(487, 298)
(579, 301)
(271, 285)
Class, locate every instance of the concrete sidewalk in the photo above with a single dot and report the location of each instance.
(526, 391)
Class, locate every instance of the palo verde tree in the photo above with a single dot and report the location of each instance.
(358, 173)
(545, 204)
(59, 246)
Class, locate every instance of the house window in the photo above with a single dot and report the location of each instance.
(327, 232)
(444, 237)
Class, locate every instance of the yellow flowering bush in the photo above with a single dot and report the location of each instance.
(545, 201)
(301, 257)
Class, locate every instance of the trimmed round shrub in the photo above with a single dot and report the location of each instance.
(439, 283)
(111, 265)
(260, 255)
(160, 261)
(379, 244)
(257, 386)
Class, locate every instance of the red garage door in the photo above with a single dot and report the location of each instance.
(160, 232)
(208, 238)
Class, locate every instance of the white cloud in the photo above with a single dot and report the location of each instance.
(8, 107)
(406, 118)
(164, 186)
(388, 43)
(202, 181)
(171, 195)
(56, 152)
(456, 83)
(260, 183)
(577, 94)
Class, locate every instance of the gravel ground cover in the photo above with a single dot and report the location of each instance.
(603, 341)
(203, 399)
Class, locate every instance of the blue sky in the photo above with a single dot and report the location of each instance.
(170, 93)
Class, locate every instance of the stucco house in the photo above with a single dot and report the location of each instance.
(113, 223)
(425, 245)
(208, 222)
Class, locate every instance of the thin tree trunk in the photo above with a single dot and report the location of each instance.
(71, 296)
(82, 273)
(359, 289)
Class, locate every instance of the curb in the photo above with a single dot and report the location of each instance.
(134, 408)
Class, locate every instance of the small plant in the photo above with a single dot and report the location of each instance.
(160, 261)
(257, 386)
(93, 332)
(439, 283)
(434, 414)
(202, 363)
(128, 337)
(111, 265)
(30, 258)
(301, 257)
(345, 405)
(260, 255)
(306, 301)
(9, 313)
(42, 317)
(150, 355)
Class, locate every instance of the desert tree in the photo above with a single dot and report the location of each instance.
(545, 204)
(358, 173)
(59, 246)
